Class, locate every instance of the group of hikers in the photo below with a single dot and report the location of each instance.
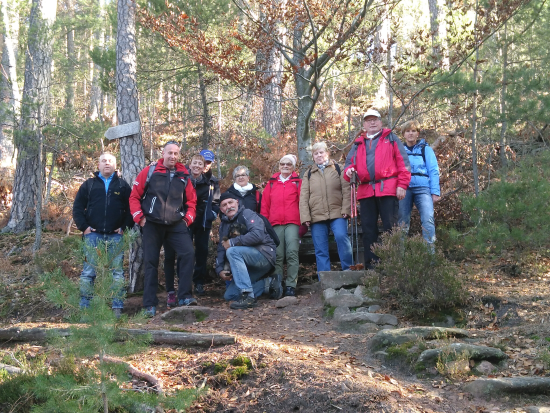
(175, 205)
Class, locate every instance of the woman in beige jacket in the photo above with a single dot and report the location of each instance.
(325, 204)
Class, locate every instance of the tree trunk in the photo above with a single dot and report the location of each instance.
(131, 147)
(71, 59)
(272, 118)
(474, 121)
(434, 25)
(10, 93)
(305, 108)
(38, 63)
(504, 125)
(94, 111)
(205, 116)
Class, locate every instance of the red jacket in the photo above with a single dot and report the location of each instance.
(165, 207)
(391, 166)
(281, 201)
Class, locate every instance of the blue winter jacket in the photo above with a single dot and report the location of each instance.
(423, 174)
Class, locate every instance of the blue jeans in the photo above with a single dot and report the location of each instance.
(113, 243)
(422, 198)
(319, 234)
(248, 266)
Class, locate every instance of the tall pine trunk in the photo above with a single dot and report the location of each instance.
(205, 115)
(9, 92)
(131, 147)
(38, 63)
(504, 123)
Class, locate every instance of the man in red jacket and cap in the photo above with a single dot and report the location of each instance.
(383, 175)
(163, 202)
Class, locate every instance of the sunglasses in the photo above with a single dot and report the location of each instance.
(172, 143)
(241, 176)
(285, 163)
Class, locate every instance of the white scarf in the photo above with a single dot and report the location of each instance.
(283, 180)
(243, 189)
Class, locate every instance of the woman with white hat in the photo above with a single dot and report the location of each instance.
(280, 205)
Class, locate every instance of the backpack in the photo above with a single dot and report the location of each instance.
(268, 227)
(423, 154)
(335, 166)
(150, 172)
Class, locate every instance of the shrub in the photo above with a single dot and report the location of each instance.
(513, 213)
(421, 280)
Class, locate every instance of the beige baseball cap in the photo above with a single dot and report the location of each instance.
(372, 112)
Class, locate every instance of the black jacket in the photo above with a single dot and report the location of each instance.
(208, 200)
(251, 200)
(256, 236)
(105, 212)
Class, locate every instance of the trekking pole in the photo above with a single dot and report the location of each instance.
(353, 222)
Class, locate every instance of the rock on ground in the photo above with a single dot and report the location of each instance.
(537, 409)
(339, 279)
(398, 336)
(474, 352)
(286, 301)
(344, 300)
(485, 368)
(10, 369)
(184, 314)
(513, 385)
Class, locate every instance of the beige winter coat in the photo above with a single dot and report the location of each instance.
(325, 195)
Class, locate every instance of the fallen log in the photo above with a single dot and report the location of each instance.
(158, 336)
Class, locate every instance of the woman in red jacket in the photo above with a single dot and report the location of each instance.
(281, 206)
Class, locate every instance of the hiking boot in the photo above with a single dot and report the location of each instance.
(117, 312)
(150, 312)
(188, 301)
(276, 287)
(244, 303)
(290, 292)
(199, 290)
(171, 301)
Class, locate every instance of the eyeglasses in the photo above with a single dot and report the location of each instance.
(172, 143)
(241, 176)
(285, 163)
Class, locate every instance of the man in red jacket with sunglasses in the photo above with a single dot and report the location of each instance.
(383, 175)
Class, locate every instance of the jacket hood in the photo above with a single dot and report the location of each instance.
(360, 138)
(179, 166)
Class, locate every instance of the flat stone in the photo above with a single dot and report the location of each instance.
(537, 409)
(340, 311)
(474, 352)
(399, 336)
(362, 310)
(374, 308)
(120, 131)
(368, 301)
(510, 385)
(362, 317)
(361, 291)
(329, 293)
(10, 369)
(286, 301)
(344, 300)
(339, 279)
(485, 367)
(387, 327)
(343, 291)
(186, 314)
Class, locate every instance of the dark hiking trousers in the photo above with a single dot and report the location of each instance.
(385, 206)
(201, 236)
(177, 237)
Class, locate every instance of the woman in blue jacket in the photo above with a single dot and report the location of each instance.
(424, 186)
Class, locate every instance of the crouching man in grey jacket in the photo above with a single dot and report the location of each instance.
(250, 251)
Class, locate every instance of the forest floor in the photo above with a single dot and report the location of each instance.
(299, 362)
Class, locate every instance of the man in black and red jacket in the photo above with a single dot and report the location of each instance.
(164, 204)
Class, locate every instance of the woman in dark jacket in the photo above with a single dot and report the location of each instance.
(248, 194)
